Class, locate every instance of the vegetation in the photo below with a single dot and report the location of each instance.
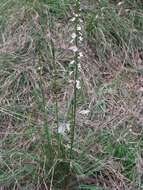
(71, 90)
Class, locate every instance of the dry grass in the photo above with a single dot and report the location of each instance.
(110, 136)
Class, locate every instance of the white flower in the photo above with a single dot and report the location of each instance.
(73, 19)
(71, 73)
(118, 140)
(78, 84)
(84, 112)
(71, 41)
(79, 28)
(120, 3)
(79, 67)
(80, 54)
(73, 35)
(80, 38)
(63, 127)
(39, 68)
(127, 10)
(74, 48)
(72, 62)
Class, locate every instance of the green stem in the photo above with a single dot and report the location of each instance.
(55, 74)
(75, 80)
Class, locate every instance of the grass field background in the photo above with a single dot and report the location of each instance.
(53, 134)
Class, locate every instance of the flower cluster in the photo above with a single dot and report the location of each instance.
(76, 41)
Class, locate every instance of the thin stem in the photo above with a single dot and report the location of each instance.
(76, 62)
(74, 104)
(55, 86)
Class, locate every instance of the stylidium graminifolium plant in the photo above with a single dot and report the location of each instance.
(76, 40)
(75, 63)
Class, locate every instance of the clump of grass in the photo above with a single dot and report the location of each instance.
(55, 157)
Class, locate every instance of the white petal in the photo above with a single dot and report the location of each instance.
(39, 68)
(78, 84)
(80, 39)
(120, 3)
(71, 73)
(73, 19)
(79, 28)
(72, 62)
(84, 112)
(74, 48)
(80, 54)
(79, 67)
(73, 35)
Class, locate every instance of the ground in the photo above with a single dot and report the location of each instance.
(37, 95)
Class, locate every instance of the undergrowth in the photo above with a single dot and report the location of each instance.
(71, 95)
